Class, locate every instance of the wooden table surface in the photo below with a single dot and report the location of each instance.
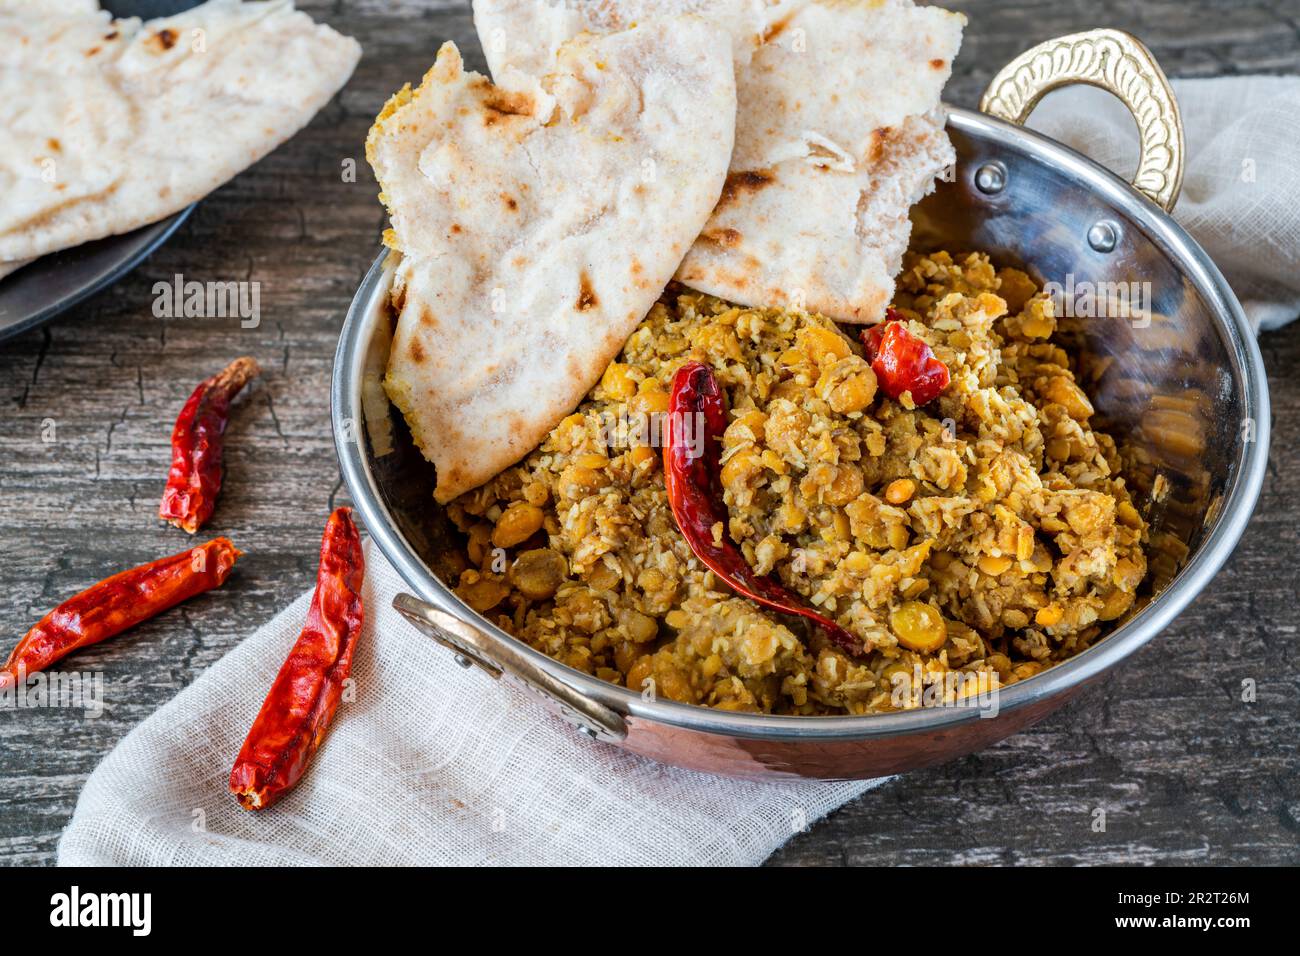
(1185, 771)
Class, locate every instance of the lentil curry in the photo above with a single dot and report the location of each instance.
(987, 533)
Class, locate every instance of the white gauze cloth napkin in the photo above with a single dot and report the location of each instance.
(436, 764)
(431, 764)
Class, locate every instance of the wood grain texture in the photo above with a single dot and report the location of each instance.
(1186, 772)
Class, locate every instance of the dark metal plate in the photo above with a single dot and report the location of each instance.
(55, 283)
(52, 284)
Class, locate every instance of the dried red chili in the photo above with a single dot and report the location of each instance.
(902, 362)
(693, 479)
(302, 701)
(117, 603)
(194, 480)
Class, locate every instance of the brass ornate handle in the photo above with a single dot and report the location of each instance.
(1118, 63)
(474, 647)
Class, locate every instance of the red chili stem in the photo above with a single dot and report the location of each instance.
(693, 478)
(120, 602)
(198, 444)
(301, 703)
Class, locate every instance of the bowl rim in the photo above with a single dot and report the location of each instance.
(1238, 500)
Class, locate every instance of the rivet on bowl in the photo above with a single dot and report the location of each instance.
(991, 178)
(1103, 236)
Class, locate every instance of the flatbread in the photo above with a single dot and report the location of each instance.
(526, 34)
(816, 213)
(839, 131)
(538, 222)
(108, 125)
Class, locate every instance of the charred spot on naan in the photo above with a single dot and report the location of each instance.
(776, 28)
(638, 274)
(49, 213)
(740, 184)
(163, 40)
(727, 238)
(587, 299)
(881, 140)
(505, 105)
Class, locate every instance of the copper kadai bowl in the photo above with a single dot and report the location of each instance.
(1185, 391)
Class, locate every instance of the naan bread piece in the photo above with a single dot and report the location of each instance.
(538, 222)
(839, 131)
(47, 8)
(108, 125)
(526, 34)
